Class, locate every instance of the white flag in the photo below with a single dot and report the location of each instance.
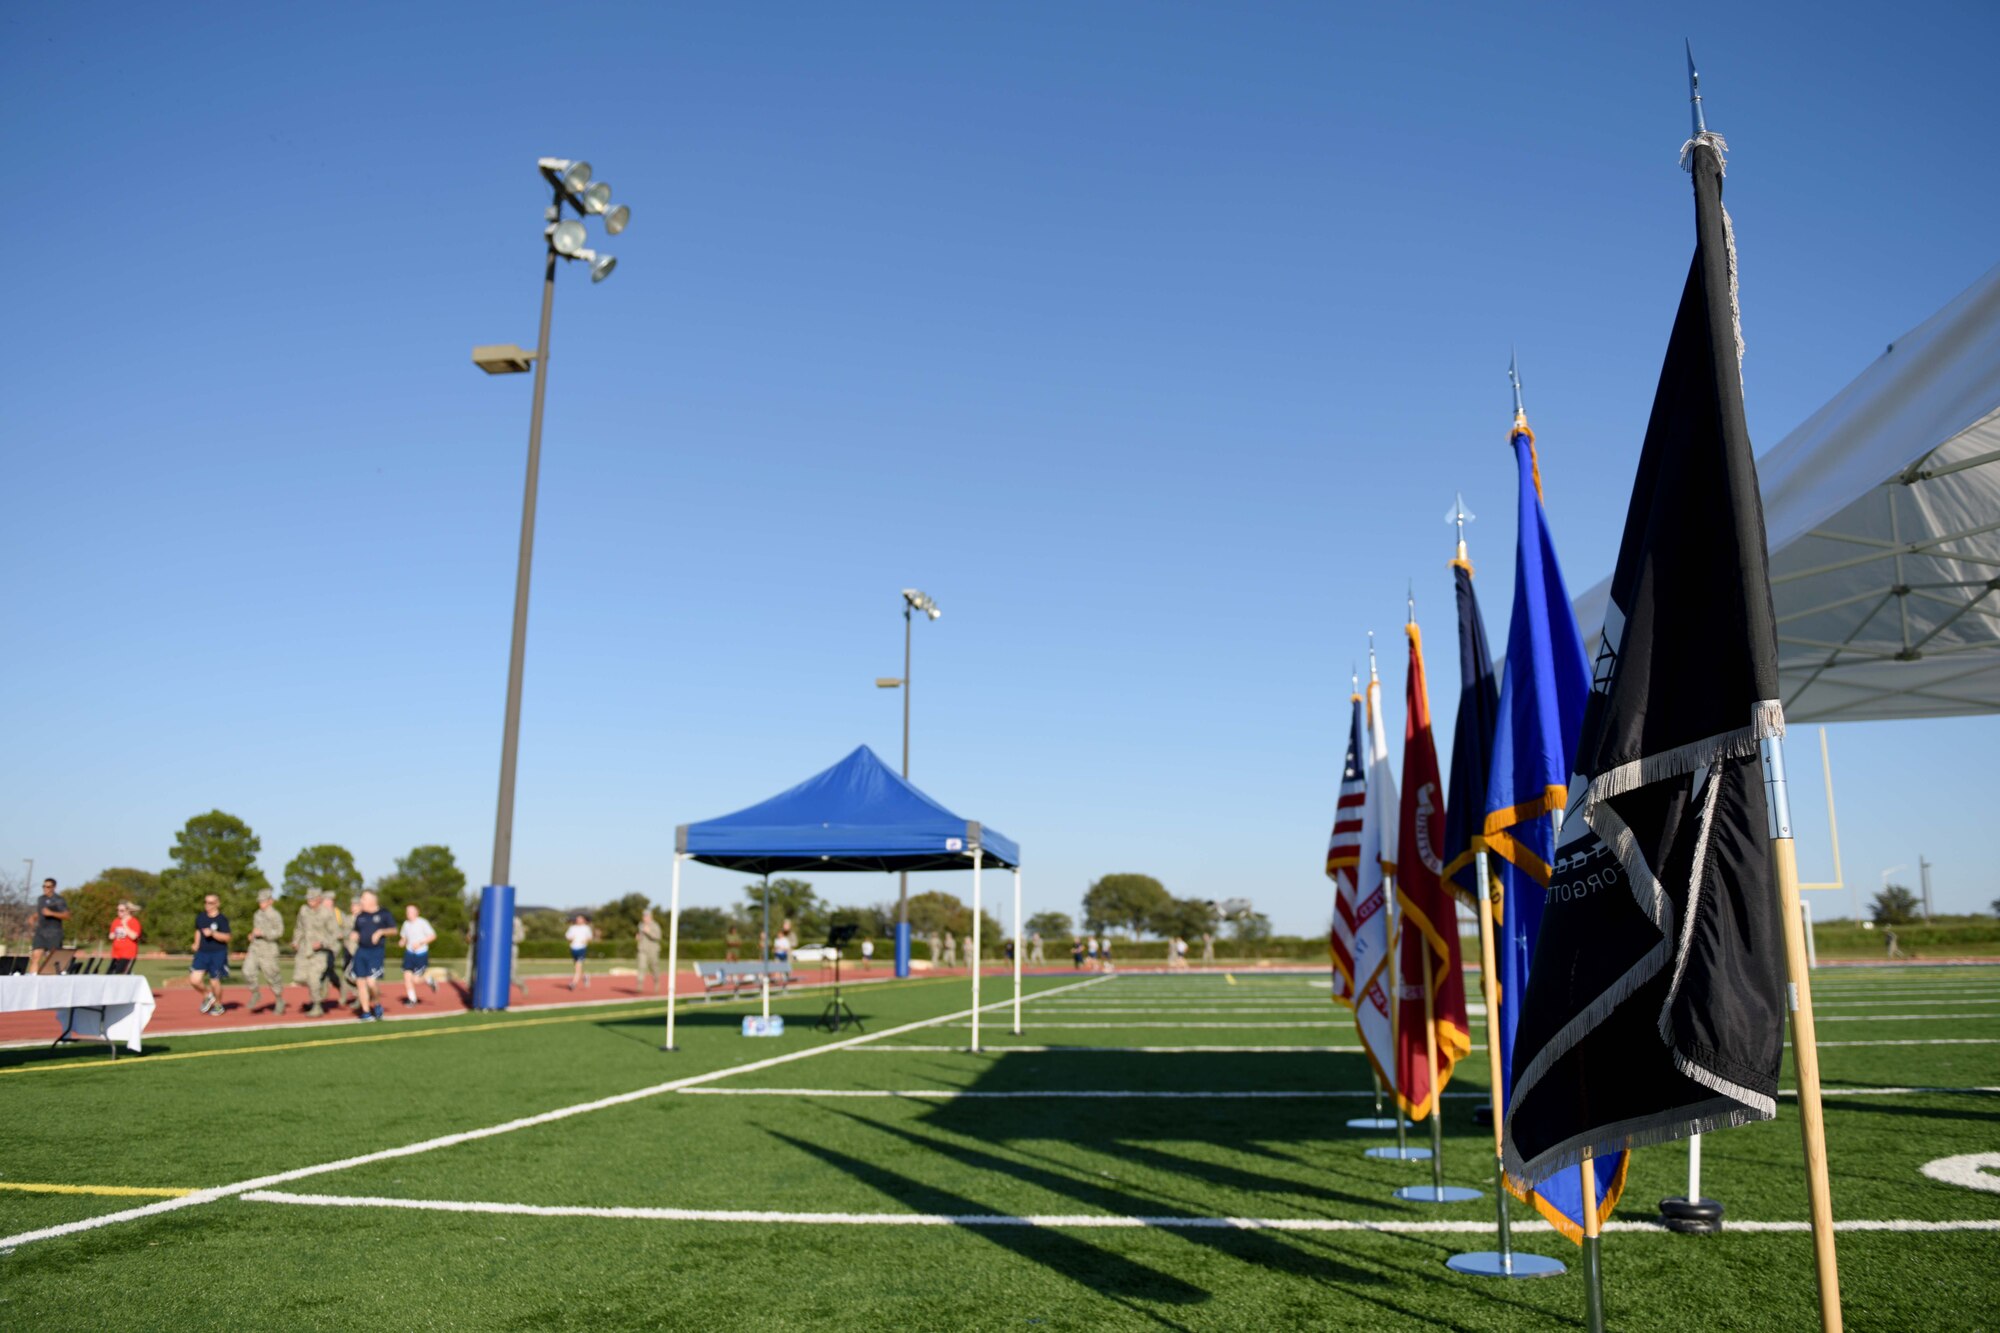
(1372, 935)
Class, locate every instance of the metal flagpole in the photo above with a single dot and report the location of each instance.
(1502, 1262)
(1437, 1191)
(1019, 944)
(673, 951)
(1805, 1049)
(1402, 1152)
(978, 860)
(766, 966)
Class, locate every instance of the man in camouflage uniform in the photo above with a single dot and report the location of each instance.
(309, 945)
(649, 949)
(340, 955)
(260, 959)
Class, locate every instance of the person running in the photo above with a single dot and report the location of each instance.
(649, 949)
(1076, 954)
(1104, 952)
(51, 910)
(781, 948)
(1180, 951)
(1889, 938)
(514, 958)
(416, 934)
(210, 967)
(125, 933)
(340, 961)
(1208, 946)
(313, 931)
(368, 937)
(1090, 953)
(260, 953)
(950, 949)
(1035, 947)
(579, 936)
(867, 953)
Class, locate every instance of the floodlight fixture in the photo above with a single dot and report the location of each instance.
(617, 218)
(503, 359)
(596, 197)
(601, 266)
(888, 682)
(567, 237)
(921, 601)
(568, 175)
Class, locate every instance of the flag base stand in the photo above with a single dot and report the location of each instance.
(1400, 1154)
(1492, 1263)
(1372, 1122)
(1691, 1217)
(1482, 1116)
(1437, 1194)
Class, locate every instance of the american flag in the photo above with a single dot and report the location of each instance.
(1343, 857)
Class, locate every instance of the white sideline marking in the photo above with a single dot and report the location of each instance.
(1882, 1092)
(467, 1136)
(1333, 1015)
(954, 1094)
(1041, 1025)
(1867, 1004)
(1077, 1220)
(1912, 1041)
(991, 1049)
(1974, 1170)
(1896, 1018)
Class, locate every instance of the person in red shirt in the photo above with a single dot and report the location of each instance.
(125, 932)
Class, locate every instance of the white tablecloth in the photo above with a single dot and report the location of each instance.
(126, 1003)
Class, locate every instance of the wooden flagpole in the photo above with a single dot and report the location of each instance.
(1593, 1267)
(1490, 985)
(1805, 1049)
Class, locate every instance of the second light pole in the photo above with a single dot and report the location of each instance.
(913, 601)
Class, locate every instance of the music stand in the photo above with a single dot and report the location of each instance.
(837, 1014)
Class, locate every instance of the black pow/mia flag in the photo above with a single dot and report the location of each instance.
(1655, 1005)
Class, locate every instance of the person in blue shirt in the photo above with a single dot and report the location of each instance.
(210, 967)
(369, 939)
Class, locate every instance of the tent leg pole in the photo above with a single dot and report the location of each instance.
(673, 950)
(1019, 944)
(766, 968)
(1805, 1048)
(978, 860)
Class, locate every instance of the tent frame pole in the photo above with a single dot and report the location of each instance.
(1019, 945)
(1805, 1048)
(978, 861)
(673, 949)
(765, 968)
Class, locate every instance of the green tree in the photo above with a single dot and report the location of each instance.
(702, 923)
(543, 923)
(619, 918)
(221, 845)
(1250, 928)
(326, 868)
(429, 877)
(91, 909)
(935, 910)
(1894, 905)
(137, 886)
(791, 899)
(875, 921)
(1124, 901)
(1185, 917)
(1051, 925)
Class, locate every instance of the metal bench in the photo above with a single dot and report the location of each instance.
(736, 977)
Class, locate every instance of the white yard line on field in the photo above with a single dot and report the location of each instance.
(990, 1048)
(1065, 1220)
(468, 1136)
(955, 1094)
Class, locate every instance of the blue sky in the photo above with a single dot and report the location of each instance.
(1152, 339)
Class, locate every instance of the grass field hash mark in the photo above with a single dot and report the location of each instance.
(1047, 1220)
(212, 1194)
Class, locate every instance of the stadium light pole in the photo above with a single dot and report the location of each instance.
(571, 184)
(913, 600)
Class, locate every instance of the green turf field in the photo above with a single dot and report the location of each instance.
(557, 1170)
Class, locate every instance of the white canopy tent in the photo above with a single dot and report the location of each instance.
(1883, 515)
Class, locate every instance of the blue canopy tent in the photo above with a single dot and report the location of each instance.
(859, 815)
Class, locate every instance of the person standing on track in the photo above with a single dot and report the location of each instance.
(1035, 947)
(579, 936)
(125, 933)
(649, 948)
(368, 937)
(416, 934)
(1090, 953)
(51, 910)
(1207, 946)
(210, 967)
(340, 955)
(260, 955)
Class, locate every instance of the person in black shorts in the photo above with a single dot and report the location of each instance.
(210, 967)
(51, 910)
(369, 939)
